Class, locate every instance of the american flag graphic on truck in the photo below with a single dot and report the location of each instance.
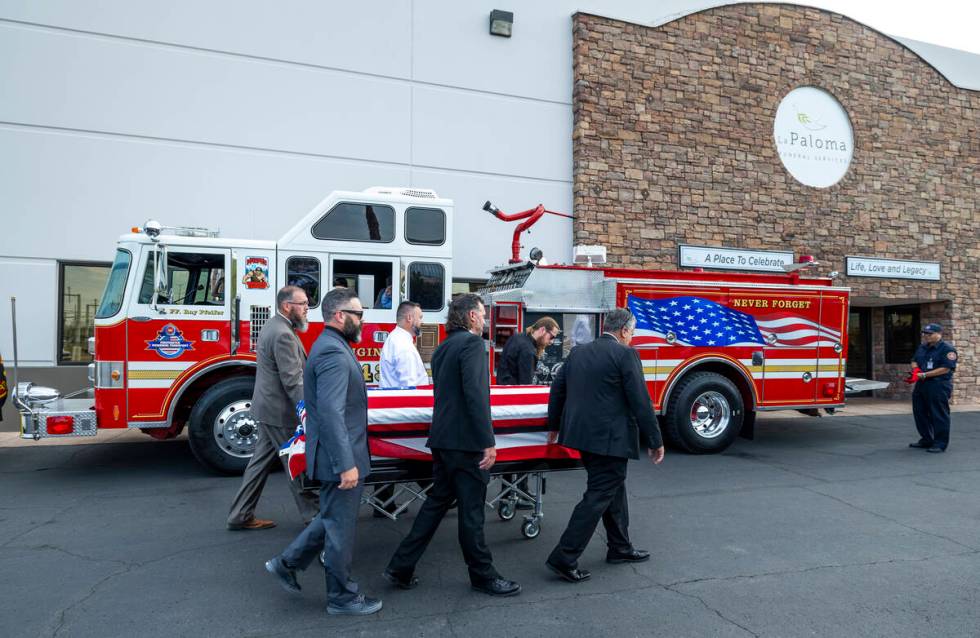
(696, 321)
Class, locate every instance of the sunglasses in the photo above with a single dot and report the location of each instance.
(357, 313)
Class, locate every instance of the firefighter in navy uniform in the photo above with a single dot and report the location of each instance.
(935, 360)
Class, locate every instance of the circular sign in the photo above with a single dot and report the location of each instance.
(813, 136)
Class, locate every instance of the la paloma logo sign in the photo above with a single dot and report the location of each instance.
(813, 136)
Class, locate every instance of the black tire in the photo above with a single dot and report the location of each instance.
(223, 451)
(714, 393)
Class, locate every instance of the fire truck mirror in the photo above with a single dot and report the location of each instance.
(161, 283)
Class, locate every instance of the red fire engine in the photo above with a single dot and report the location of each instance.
(176, 328)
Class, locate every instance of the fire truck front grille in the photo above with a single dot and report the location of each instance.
(257, 317)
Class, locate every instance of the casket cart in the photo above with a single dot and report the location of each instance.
(398, 425)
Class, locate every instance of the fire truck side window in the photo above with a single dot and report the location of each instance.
(426, 283)
(194, 280)
(425, 226)
(305, 273)
(371, 279)
(357, 222)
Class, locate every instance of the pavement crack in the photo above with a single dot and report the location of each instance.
(712, 609)
(891, 520)
(48, 547)
(63, 613)
(789, 572)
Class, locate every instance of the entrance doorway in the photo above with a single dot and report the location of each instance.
(859, 344)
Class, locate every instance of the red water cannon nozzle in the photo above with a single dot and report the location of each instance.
(530, 217)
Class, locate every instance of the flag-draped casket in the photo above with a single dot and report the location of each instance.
(398, 424)
(398, 427)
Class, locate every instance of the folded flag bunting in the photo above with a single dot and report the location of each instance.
(295, 448)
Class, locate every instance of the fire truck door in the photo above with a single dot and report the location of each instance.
(173, 327)
(790, 327)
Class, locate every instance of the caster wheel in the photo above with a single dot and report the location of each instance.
(531, 529)
(506, 510)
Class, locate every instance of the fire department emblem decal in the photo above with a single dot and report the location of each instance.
(170, 342)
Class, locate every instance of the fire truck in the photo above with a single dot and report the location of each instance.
(176, 329)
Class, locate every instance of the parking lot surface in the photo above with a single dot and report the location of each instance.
(819, 527)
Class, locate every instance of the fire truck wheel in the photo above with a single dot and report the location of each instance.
(704, 414)
(221, 431)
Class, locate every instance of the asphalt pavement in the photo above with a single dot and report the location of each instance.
(819, 527)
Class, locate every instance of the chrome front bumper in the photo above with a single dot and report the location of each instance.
(46, 414)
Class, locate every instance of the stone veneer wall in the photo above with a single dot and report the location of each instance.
(673, 143)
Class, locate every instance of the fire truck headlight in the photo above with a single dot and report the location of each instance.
(838, 348)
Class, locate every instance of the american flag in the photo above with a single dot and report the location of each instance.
(696, 321)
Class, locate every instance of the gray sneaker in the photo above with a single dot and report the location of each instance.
(360, 606)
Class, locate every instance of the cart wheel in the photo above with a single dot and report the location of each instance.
(506, 510)
(531, 528)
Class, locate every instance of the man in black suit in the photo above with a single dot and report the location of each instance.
(463, 451)
(336, 455)
(598, 405)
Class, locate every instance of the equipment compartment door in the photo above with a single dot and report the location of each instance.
(189, 325)
(832, 347)
(790, 326)
(506, 320)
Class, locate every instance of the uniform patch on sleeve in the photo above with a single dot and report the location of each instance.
(951, 355)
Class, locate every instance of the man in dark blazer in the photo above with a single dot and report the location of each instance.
(279, 362)
(598, 405)
(463, 451)
(336, 455)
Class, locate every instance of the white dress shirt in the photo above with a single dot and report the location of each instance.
(401, 364)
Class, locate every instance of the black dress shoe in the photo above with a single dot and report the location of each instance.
(921, 444)
(632, 556)
(498, 587)
(935, 449)
(402, 582)
(285, 576)
(572, 575)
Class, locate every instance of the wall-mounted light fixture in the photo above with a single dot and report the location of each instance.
(501, 23)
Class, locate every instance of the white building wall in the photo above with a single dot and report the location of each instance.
(242, 115)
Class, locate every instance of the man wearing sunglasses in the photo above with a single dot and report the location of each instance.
(336, 455)
(935, 359)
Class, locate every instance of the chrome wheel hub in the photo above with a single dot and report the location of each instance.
(710, 414)
(235, 430)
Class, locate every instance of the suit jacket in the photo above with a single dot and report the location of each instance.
(336, 410)
(461, 414)
(279, 376)
(599, 401)
(518, 360)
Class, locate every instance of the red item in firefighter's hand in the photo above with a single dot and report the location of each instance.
(914, 375)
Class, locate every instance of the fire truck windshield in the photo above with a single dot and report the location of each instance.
(115, 287)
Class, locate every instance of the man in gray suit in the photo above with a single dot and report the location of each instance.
(336, 455)
(278, 388)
